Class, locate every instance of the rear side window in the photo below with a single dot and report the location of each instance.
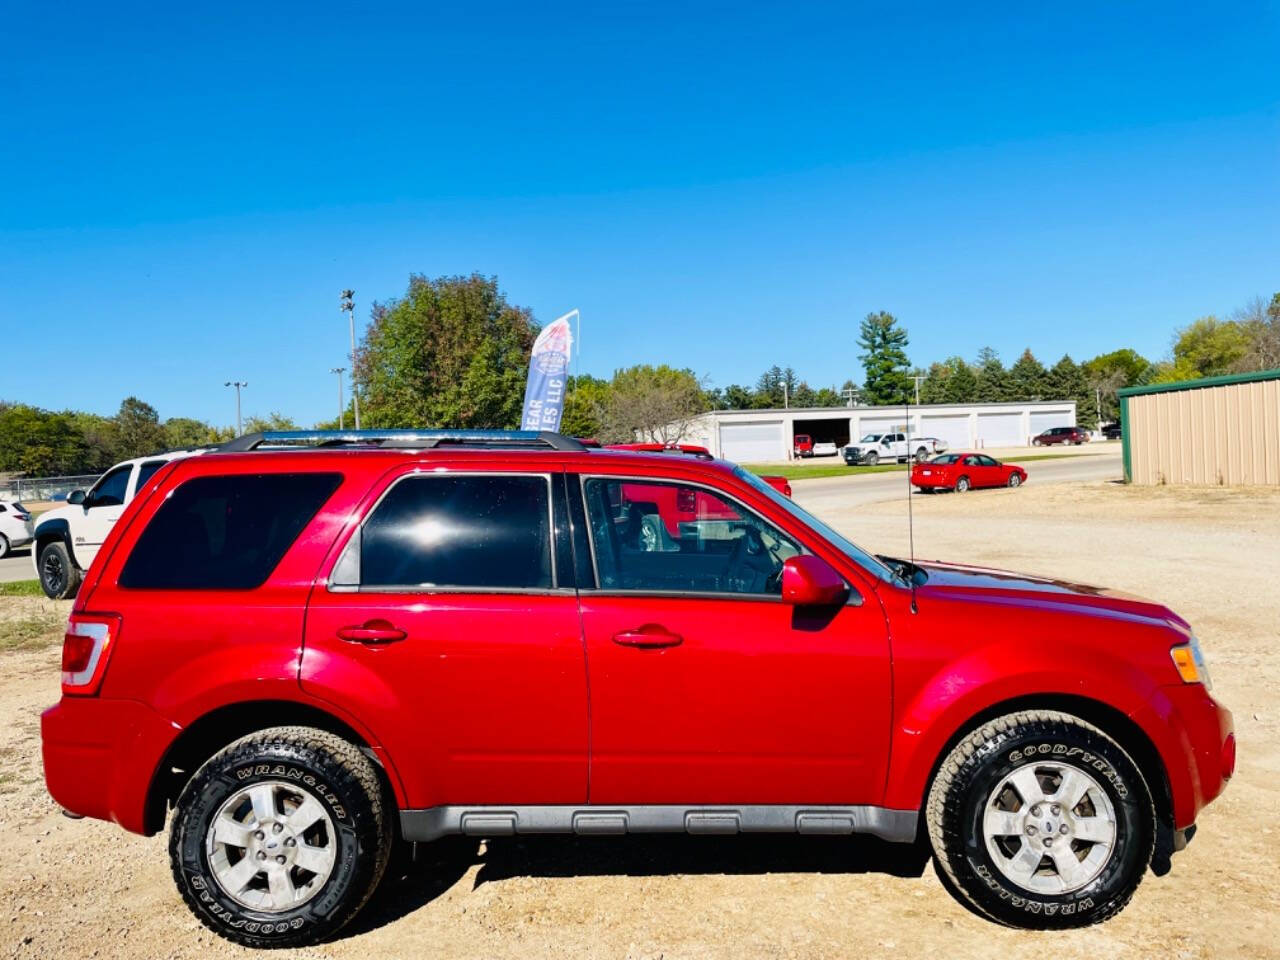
(225, 532)
(147, 471)
(464, 532)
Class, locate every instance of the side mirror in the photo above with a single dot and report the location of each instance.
(76, 497)
(809, 581)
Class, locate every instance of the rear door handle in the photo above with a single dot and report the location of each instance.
(648, 637)
(372, 632)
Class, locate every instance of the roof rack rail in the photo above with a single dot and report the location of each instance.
(399, 439)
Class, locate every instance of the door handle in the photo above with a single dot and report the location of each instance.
(648, 637)
(372, 632)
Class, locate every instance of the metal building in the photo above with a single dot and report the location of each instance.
(1222, 431)
(750, 436)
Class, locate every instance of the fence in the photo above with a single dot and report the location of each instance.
(34, 489)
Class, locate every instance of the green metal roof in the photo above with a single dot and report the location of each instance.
(1201, 383)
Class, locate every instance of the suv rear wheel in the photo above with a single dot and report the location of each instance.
(1040, 820)
(59, 576)
(281, 837)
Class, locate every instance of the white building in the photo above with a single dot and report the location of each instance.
(761, 435)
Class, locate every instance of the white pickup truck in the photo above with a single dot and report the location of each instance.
(875, 447)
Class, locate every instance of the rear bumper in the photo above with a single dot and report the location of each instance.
(19, 542)
(100, 756)
(1196, 740)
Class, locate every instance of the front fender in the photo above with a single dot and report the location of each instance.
(52, 528)
(945, 703)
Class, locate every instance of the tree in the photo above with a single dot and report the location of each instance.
(39, 443)
(884, 359)
(1207, 348)
(138, 430)
(951, 381)
(656, 404)
(737, 397)
(451, 353)
(272, 421)
(1261, 321)
(768, 389)
(993, 379)
(1067, 381)
(1106, 373)
(185, 433)
(1027, 379)
(827, 397)
(584, 404)
(804, 395)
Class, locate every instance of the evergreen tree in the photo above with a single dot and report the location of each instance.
(1067, 381)
(993, 379)
(1027, 378)
(884, 360)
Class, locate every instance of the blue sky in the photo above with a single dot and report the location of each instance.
(718, 186)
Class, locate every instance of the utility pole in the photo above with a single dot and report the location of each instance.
(786, 400)
(850, 394)
(342, 407)
(237, 384)
(917, 379)
(348, 306)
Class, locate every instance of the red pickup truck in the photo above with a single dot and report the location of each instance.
(802, 446)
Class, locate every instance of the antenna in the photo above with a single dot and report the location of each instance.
(911, 529)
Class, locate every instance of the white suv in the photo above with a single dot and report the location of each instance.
(15, 526)
(67, 539)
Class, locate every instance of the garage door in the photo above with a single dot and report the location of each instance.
(881, 424)
(954, 430)
(752, 442)
(1000, 430)
(1040, 422)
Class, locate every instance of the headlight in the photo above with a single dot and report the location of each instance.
(1190, 664)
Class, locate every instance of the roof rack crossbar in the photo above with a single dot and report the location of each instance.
(419, 439)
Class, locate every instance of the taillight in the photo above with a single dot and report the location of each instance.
(686, 499)
(85, 649)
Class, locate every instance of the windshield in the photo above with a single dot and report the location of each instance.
(850, 549)
(870, 438)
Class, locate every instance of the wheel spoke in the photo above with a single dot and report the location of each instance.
(1001, 823)
(1072, 789)
(1095, 830)
(1070, 869)
(1023, 863)
(282, 889)
(316, 859)
(235, 879)
(1027, 784)
(263, 798)
(308, 813)
(231, 832)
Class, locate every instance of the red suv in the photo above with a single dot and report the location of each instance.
(311, 654)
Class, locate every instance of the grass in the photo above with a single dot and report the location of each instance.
(21, 588)
(31, 633)
(811, 471)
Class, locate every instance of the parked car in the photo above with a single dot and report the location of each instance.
(15, 526)
(68, 538)
(962, 472)
(825, 448)
(874, 447)
(802, 445)
(1060, 435)
(1111, 431)
(309, 653)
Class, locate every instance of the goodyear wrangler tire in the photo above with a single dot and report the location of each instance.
(1040, 820)
(281, 837)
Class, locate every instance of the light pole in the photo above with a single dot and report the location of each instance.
(917, 379)
(342, 407)
(348, 306)
(237, 384)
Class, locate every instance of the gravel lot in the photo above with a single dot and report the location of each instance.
(87, 889)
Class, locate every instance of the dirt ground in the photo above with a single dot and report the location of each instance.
(87, 889)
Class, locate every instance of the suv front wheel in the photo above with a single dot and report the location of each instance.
(1040, 820)
(281, 837)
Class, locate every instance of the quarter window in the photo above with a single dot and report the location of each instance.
(146, 471)
(462, 532)
(225, 532)
(661, 537)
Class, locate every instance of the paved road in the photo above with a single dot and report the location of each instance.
(16, 566)
(821, 495)
(832, 493)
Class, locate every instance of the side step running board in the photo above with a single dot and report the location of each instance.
(434, 822)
